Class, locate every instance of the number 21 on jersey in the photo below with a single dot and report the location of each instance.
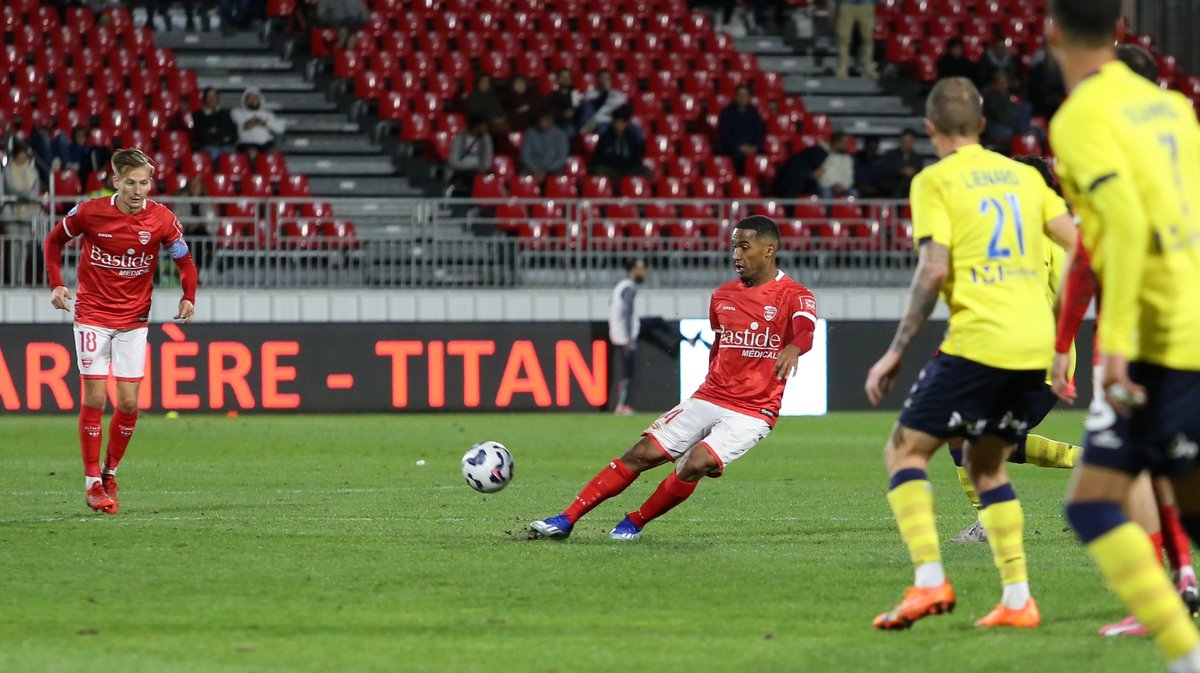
(996, 250)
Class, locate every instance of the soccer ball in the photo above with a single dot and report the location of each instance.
(487, 467)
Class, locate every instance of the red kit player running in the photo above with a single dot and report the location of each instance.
(122, 235)
(764, 322)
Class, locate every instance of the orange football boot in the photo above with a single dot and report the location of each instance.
(1027, 617)
(918, 603)
(99, 500)
(111, 488)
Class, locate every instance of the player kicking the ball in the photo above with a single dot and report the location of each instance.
(978, 218)
(764, 321)
(122, 235)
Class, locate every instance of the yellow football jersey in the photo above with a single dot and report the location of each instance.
(1129, 159)
(990, 211)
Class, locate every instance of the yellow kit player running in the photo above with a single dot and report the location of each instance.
(979, 219)
(1129, 160)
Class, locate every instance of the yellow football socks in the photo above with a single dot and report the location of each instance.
(1004, 523)
(1046, 452)
(968, 488)
(912, 504)
(1127, 561)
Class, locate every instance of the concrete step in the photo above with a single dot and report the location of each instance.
(828, 86)
(797, 65)
(347, 165)
(267, 82)
(362, 186)
(878, 126)
(183, 42)
(320, 123)
(216, 63)
(335, 144)
(882, 106)
(366, 211)
(763, 44)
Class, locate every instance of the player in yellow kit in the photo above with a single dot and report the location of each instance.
(979, 220)
(1129, 160)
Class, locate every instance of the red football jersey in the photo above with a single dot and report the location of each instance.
(117, 260)
(752, 325)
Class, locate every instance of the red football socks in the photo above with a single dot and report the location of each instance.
(669, 493)
(90, 433)
(1156, 540)
(120, 430)
(613, 479)
(1175, 538)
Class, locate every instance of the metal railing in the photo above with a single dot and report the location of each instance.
(415, 243)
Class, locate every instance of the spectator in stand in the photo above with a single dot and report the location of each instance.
(41, 144)
(1005, 118)
(520, 103)
(563, 103)
(954, 63)
(77, 154)
(471, 154)
(837, 173)
(599, 104)
(1047, 90)
(483, 102)
(997, 58)
(620, 149)
(861, 13)
(21, 181)
(900, 165)
(257, 126)
(499, 129)
(213, 130)
(868, 174)
(195, 212)
(545, 149)
(801, 173)
(741, 129)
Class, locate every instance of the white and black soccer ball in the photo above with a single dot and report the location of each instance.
(487, 467)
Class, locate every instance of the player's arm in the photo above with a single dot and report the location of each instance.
(627, 315)
(803, 327)
(716, 328)
(1078, 288)
(53, 246)
(1088, 147)
(932, 229)
(178, 250)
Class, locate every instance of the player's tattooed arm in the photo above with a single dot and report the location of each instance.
(932, 267)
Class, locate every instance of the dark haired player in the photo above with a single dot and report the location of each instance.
(764, 321)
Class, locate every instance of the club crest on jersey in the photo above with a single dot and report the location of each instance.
(143, 237)
(769, 312)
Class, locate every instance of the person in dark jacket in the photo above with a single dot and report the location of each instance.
(620, 148)
(741, 129)
(801, 173)
(900, 165)
(520, 103)
(954, 63)
(213, 130)
(564, 102)
(483, 102)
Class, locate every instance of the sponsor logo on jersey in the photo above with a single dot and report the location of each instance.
(143, 237)
(809, 304)
(769, 312)
(104, 235)
(74, 209)
(86, 362)
(756, 344)
(132, 263)
(727, 307)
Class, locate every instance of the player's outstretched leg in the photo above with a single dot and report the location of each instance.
(1002, 517)
(1045, 452)
(610, 481)
(1178, 547)
(670, 492)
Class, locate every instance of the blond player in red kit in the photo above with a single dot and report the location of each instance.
(122, 235)
(764, 321)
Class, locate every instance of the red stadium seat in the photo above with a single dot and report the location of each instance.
(234, 166)
(743, 188)
(488, 186)
(218, 186)
(671, 187)
(294, 186)
(271, 165)
(597, 187)
(1026, 144)
(635, 187)
(525, 187)
(561, 187)
(441, 142)
(256, 186)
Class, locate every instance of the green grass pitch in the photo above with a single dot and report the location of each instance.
(316, 543)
